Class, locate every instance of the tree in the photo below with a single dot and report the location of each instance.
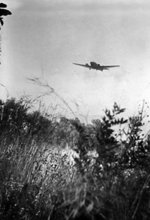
(3, 12)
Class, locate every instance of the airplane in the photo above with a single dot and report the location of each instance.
(96, 66)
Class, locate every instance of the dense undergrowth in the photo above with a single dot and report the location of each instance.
(64, 169)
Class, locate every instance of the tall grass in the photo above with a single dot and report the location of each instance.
(65, 169)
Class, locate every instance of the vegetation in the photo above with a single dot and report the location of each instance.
(64, 169)
(3, 12)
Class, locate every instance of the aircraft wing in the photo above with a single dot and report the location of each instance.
(107, 67)
(87, 66)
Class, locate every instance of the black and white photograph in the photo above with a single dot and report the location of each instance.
(74, 109)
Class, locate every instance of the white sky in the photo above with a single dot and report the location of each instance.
(43, 39)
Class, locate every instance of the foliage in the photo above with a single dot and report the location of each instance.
(65, 169)
(3, 12)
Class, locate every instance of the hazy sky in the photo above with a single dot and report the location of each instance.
(43, 39)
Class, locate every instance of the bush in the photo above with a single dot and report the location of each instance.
(65, 169)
